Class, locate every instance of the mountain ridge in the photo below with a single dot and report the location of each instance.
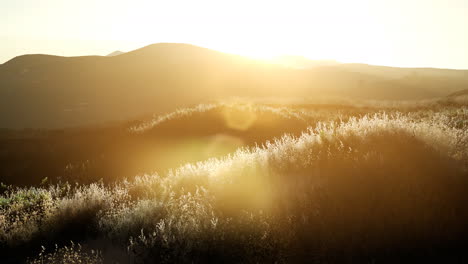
(49, 91)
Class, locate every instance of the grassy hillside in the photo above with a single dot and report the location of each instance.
(124, 150)
(347, 183)
(158, 143)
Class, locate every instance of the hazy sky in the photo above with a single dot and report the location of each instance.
(409, 33)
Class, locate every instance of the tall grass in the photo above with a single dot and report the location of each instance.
(376, 188)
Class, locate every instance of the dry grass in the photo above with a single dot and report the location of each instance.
(383, 187)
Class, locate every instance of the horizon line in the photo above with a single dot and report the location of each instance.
(246, 56)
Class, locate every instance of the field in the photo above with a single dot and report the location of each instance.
(243, 181)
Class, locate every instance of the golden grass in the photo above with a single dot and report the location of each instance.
(367, 188)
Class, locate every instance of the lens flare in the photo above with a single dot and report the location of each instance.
(239, 119)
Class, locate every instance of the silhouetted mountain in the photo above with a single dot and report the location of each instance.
(52, 91)
(115, 53)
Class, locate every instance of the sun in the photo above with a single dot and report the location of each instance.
(316, 30)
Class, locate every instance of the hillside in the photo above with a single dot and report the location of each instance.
(249, 183)
(52, 92)
(124, 150)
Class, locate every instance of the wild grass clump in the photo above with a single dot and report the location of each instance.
(376, 188)
(72, 254)
(31, 217)
(374, 184)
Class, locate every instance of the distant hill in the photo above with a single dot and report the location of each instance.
(115, 53)
(395, 72)
(43, 91)
(434, 81)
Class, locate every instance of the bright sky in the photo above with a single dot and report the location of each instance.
(407, 33)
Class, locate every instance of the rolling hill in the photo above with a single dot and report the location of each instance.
(44, 91)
